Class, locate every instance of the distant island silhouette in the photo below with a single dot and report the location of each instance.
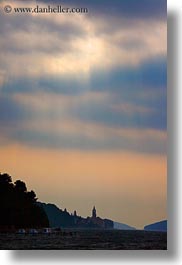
(158, 226)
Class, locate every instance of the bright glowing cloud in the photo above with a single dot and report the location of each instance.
(37, 50)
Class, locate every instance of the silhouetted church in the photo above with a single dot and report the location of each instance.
(92, 222)
(94, 213)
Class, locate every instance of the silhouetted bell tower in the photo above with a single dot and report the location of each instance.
(94, 213)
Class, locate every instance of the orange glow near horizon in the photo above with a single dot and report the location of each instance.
(120, 184)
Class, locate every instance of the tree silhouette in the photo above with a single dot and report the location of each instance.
(5, 179)
(31, 196)
(20, 186)
(18, 207)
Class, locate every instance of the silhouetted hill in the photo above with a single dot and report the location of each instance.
(159, 226)
(121, 226)
(56, 216)
(60, 218)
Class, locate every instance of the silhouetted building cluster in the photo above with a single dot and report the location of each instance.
(92, 222)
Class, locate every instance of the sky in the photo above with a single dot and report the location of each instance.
(83, 116)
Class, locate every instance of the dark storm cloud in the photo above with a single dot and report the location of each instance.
(106, 115)
(31, 25)
(46, 36)
(130, 9)
(131, 85)
(124, 85)
(14, 116)
(62, 85)
(134, 97)
(151, 74)
(83, 142)
(11, 112)
(67, 86)
(52, 48)
(23, 85)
